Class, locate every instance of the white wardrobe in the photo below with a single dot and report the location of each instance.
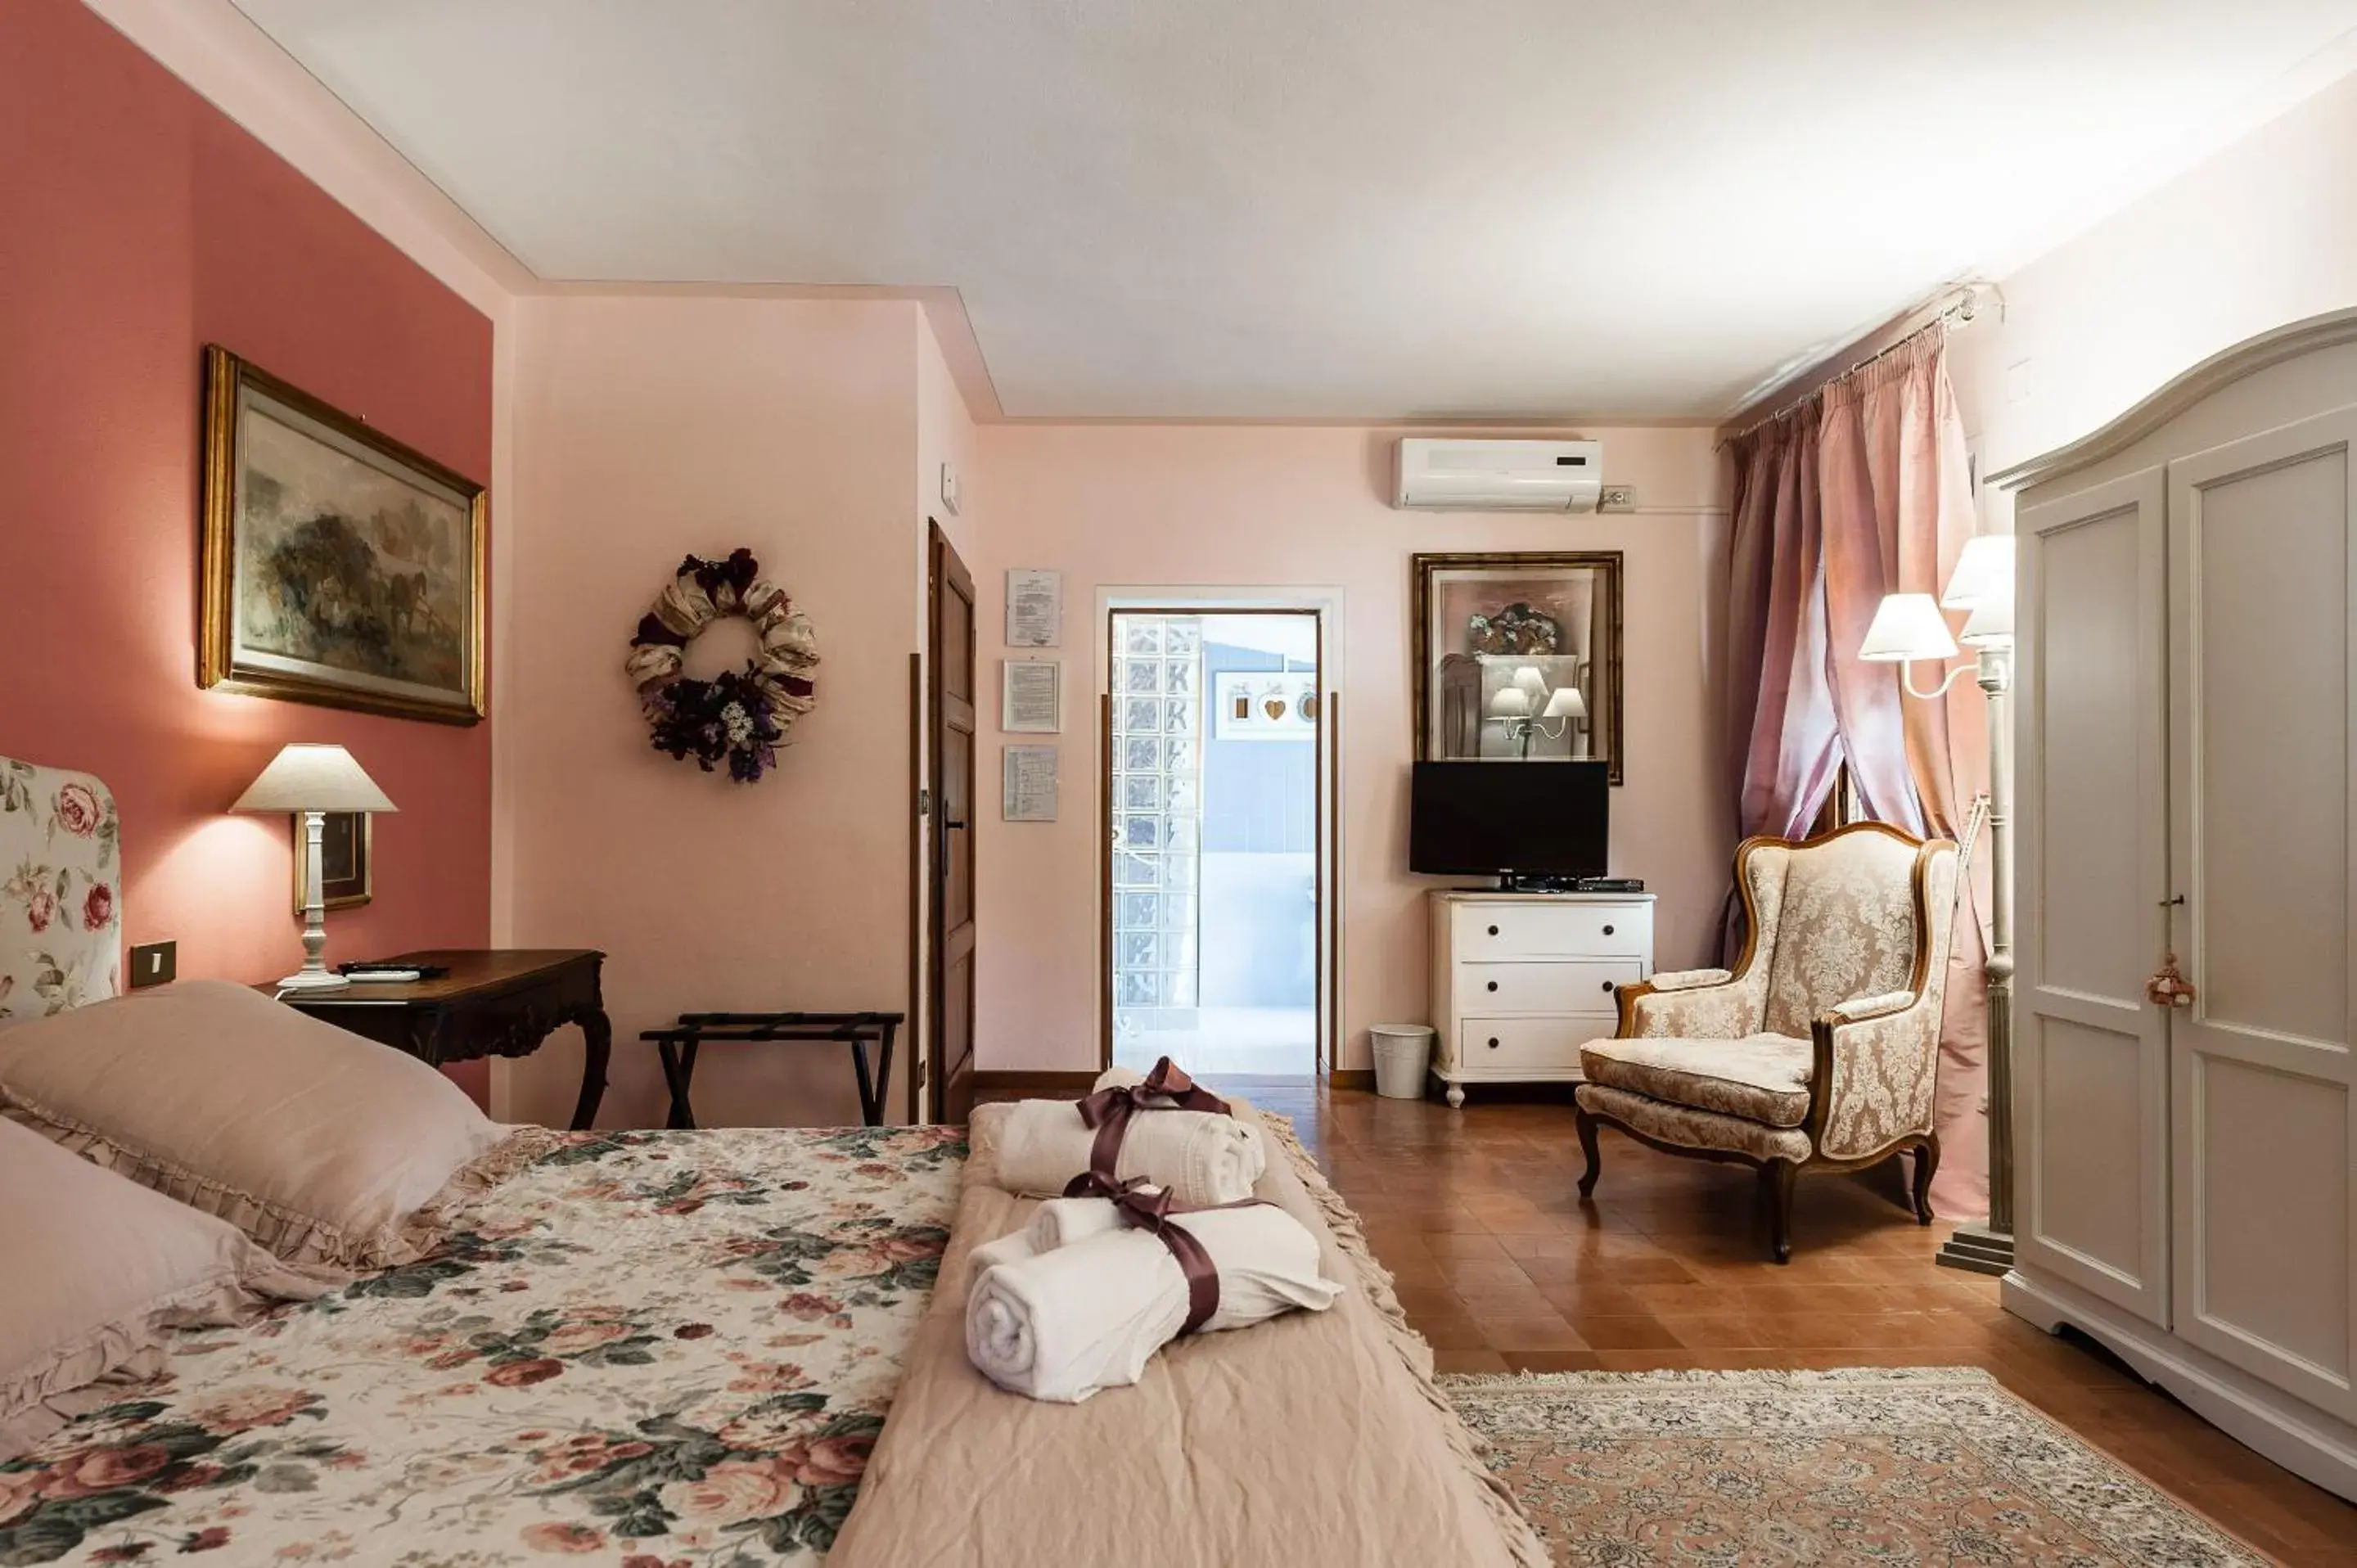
(2187, 1175)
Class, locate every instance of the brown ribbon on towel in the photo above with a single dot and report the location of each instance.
(1134, 1204)
(1109, 1111)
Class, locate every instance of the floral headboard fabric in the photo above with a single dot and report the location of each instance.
(60, 891)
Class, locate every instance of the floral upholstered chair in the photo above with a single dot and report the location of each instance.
(1819, 1051)
(60, 924)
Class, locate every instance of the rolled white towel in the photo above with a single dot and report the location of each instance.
(1062, 1325)
(1202, 1156)
(1009, 1249)
(1061, 1221)
(1117, 1077)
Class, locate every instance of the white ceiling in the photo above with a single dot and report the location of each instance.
(1304, 208)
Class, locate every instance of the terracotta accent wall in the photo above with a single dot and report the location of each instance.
(1134, 505)
(142, 223)
(651, 427)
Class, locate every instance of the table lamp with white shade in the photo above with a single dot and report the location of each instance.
(311, 781)
(1910, 627)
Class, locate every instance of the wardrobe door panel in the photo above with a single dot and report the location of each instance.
(2260, 782)
(2090, 1080)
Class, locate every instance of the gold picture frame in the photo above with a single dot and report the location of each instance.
(347, 859)
(338, 565)
(1569, 600)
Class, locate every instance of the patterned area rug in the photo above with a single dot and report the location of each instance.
(1916, 1465)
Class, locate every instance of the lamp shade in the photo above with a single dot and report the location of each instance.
(313, 778)
(1567, 703)
(1908, 626)
(1989, 625)
(1984, 572)
(1529, 679)
(1510, 703)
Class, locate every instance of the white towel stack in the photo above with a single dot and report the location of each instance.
(1068, 1321)
(1202, 1156)
(1080, 1301)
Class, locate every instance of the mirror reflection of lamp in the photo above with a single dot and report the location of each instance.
(1520, 709)
(1569, 708)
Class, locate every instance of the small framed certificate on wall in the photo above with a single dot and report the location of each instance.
(1028, 786)
(1031, 696)
(1034, 607)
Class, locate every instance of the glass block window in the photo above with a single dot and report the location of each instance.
(1157, 716)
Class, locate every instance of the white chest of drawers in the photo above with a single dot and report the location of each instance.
(1521, 980)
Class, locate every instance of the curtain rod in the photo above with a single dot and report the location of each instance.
(1962, 306)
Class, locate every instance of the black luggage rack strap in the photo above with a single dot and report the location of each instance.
(677, 1047)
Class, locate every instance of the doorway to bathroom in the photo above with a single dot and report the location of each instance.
(1217, 750)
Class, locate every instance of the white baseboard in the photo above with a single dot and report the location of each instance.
(2297, 1436)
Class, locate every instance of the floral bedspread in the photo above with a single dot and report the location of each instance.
(656, 1348)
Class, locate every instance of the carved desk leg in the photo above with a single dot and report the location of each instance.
(598, 1034)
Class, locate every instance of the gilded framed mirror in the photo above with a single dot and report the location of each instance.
(1518, 656)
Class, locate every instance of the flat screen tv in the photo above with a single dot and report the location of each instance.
(1510, 819)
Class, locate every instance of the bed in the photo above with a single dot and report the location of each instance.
(670, 1345)
(686, 1348)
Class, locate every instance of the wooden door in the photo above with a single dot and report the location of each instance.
(2261, 563)
(949, 700)
(2091, 1070)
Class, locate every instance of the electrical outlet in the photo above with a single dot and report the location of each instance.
(1618, 498)
(154, 963)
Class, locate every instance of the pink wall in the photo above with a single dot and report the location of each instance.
(1125, 505)
(647, 428)
(143, 224)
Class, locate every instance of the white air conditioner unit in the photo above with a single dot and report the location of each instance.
(1500, 475)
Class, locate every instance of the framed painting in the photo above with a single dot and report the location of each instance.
(1518, 656)
(339, 567)
(347, 849)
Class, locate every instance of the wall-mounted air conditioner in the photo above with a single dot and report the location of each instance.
(1500, 475)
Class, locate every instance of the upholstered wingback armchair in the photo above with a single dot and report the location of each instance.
(1820, 1050)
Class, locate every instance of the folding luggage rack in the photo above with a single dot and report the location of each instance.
(677, 1047)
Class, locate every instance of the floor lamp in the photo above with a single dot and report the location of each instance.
(1910, 627)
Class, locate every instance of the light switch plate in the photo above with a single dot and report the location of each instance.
(949, 488)
(154, 963)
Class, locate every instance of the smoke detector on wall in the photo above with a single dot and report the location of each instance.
(1499, 476)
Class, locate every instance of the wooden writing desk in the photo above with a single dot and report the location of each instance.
(493, 1003)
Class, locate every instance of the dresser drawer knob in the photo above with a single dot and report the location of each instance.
(1608, 985)
(1493, 986)
(1493, 1042)
(1493, 930)
(1608, 931)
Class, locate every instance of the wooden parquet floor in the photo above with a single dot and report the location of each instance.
(1503, 1268)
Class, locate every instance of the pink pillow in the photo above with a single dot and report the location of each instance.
(334, 1152)
(98, 1269)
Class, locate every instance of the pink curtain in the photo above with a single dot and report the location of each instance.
(1862, 490)
(1784, 739)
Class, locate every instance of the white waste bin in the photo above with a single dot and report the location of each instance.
(1403, 1055)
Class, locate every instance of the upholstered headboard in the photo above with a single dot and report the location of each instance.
(60, 891)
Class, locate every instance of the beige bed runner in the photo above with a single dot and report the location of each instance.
(1317, 1439)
